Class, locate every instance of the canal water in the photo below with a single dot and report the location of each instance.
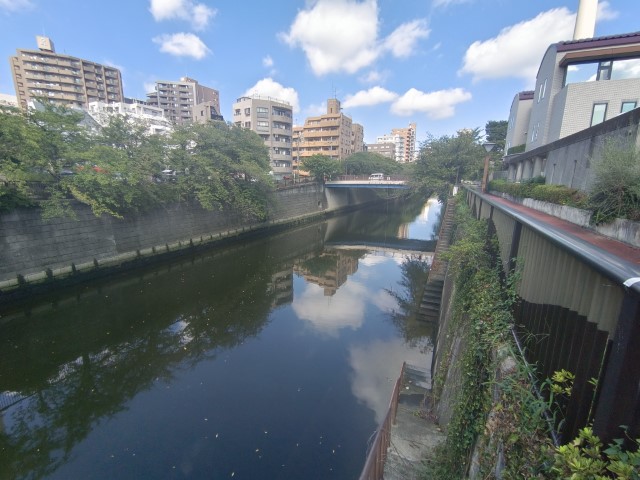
(273, 359)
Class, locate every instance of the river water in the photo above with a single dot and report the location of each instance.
(274, 359)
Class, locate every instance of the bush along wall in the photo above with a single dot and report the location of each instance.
(501, 425)
(494, 411)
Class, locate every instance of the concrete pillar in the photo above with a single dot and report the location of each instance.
(526, 170)
(537, 167)
(511, 173)
(519, 172)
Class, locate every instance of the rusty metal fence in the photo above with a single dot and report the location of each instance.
(374, 466)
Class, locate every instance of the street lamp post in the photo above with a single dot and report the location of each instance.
(488, 146)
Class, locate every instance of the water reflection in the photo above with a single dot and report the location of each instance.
(263, 345)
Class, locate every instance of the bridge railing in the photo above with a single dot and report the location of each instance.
(374, 466)
(578, 310)
(367, 178)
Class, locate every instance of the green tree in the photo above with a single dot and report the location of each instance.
(496, 132)
(222, 166)
(444, 160)
(321, 167)
(366, 163)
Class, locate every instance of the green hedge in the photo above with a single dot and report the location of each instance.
(558, 194)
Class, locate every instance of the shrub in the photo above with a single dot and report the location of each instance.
(558, 194)
(615, 192)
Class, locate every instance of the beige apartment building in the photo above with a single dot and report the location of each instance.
(178, 99)
(272, 119)
(330, 134)
(62, 79)
(406, 145)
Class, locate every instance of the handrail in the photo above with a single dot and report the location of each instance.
(374, 465)
(625, 273)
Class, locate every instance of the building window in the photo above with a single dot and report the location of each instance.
(534, 132)
(247, 111)
(598, 113)
(542, 90)
(262, 123)
(236, 111)
(627, 106)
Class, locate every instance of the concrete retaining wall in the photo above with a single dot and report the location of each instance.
(30, 245)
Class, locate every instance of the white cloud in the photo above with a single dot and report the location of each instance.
(149, 87)
(446, 3)
(182, 45)
(403, 39)
(329, 315)
(316, 109)
(374, 76)
(270, 88)
(15, 5)
(437, 105)
(367, 98)
(267, 61)
(198, 14)
(342, 35)
(605, 12)
(336, 35)
(518, 49)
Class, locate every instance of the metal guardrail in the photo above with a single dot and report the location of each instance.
(374, 465)
(578, 310)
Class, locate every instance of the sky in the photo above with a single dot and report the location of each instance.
(444, 64)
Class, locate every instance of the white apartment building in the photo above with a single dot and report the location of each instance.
(519, 116)
(272, 119)
(135, 111)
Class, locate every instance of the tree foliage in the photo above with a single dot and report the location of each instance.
(118, 170)
(442, 161)
(321, 167)
(496, 132)
(366, 163)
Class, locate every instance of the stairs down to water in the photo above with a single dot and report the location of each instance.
(432, 297)
(413, 434)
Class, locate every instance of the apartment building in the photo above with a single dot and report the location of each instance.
(581, 83)
(135, 111)
(62, 79)
(272, 119)
(329, 134)
(405, 139)
(386, 149)
(178, 99)
(357, 138)
(519, 116)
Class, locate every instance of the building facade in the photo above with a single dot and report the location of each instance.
(178, 99)
(581, 83)
(357, 138)
(62, 79)
(386, 149)
(519, 116)
(272, 119)
(330, 134)
(135, 111)
(406, 146)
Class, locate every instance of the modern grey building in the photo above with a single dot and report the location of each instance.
(178, 99)
(519, 116)
(271, 119)
(581, 83)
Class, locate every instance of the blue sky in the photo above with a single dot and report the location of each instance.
(443, 64)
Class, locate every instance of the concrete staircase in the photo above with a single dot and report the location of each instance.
(431, 298)
(413, 434)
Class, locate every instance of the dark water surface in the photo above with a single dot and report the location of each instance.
(270, 360)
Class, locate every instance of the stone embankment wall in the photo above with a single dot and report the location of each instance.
(35, 250)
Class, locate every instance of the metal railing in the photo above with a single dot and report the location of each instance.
(578, 310)
(374, 466)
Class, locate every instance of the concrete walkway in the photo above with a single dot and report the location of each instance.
(413, 434)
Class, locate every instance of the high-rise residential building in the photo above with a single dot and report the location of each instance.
(406, 148)
(272, 120)
(329, 134)
(62, 79)
(357, 138)
(178, 99)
